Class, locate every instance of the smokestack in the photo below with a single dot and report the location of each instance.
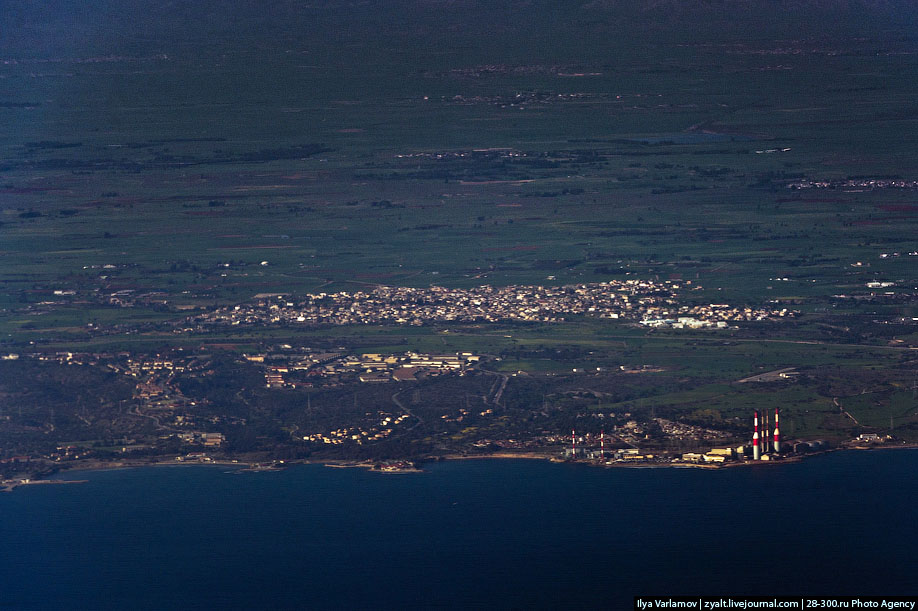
(755, 439)
(765, 444)
(573, 444)
(602, 444)
(777, 434)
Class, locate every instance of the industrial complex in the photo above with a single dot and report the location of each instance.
(766, 446)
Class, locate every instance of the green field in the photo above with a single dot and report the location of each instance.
(147, 177)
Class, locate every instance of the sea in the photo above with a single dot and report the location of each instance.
(465, 534)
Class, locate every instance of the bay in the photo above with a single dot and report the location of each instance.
(474, 533)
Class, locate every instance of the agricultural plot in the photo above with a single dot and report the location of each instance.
(145, 183)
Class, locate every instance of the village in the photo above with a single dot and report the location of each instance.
(335, 368)
(157, 397)
(856, 183)
(188, 429)
(652, 303)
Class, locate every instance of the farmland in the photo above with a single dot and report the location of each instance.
(148, 182)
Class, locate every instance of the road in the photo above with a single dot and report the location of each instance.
(405, 409)
(770, 376)
(844, 411)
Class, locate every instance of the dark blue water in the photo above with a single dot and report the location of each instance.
(505, 534)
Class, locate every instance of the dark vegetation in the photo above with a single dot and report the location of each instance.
(173, 161)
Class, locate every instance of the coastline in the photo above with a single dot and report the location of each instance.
(404, 466)
(9, 487)
(501, 455)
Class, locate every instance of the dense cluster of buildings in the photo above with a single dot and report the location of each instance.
(856, 183)
(329, 369)
(644, 300)
(711, 315)
(418, 306)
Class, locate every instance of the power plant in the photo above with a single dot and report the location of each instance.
(759, 450)
(766, 446)
(777, 434)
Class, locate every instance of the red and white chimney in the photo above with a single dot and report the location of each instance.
(777, 434)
